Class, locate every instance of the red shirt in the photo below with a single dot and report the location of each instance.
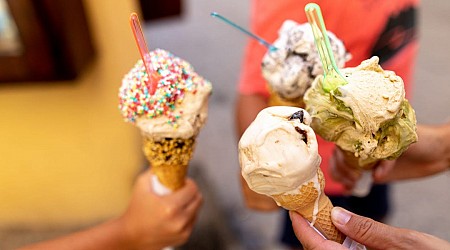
(384, 28)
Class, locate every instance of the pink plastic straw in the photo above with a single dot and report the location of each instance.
(143, 50)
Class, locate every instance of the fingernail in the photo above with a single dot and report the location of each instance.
(340, 215)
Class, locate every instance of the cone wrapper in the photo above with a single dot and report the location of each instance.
(159, 188)
(169, 158)
(314, 206)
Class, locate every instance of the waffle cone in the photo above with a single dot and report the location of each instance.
(304, 203)
(277, 100)
(169, 158)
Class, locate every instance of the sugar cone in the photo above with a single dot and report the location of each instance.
(277, 100)
(169, 158)
(305, 203)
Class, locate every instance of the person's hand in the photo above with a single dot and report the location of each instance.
(342, 172)
(430, 155)
(368, 232)
(154, 222)
(309, 238)
(348, 176)
(257, 201)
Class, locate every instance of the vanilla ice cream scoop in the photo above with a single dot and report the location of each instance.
(279, 157)
(179, 106)
(278, 152)
(291, 68)
(369, 117)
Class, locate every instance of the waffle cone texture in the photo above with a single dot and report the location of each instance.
(169, 158)
(304, 203)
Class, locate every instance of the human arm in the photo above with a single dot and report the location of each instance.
(247, 107)
(372, 234)
(430, 155)
(150, 222)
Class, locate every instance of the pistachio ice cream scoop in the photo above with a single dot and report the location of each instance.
(368, 117)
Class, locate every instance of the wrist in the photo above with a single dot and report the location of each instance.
(419, 240)
(129, 238)
(124, 235)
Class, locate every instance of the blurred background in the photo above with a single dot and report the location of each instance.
(67, 159)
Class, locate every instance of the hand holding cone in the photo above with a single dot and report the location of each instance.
(168, 101)
(278, 154)
(314, 206)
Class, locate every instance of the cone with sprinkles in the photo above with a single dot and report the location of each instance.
(171, 118)
(168, 101)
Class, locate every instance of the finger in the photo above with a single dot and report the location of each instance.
(309, 238)
(192, 212)
(345, 177)
(193, 207)
(187, 229)
(348, 184)
(342, 172)
(184, 219)
(144, 181)
(364, 230)
(184, 195)
(348, 190)
(381, 171)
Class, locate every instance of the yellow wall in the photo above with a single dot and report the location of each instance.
(66, 155)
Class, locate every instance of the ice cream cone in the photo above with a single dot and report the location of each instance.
(169, 158)
(369, 118)
(314, 206)
(291, 68)
(278, 154)
(276, 100)
(357, 162)
(170, 118)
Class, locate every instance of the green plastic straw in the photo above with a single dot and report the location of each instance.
(332, 77)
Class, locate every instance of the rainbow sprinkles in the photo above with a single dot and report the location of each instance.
(175, 78)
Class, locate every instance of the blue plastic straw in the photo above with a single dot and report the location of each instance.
(259, 39)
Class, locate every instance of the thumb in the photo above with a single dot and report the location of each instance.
(365, 230)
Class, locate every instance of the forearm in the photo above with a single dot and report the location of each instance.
(446, 138)
(429, 156)
(432, 151)
(418, 240)
(108, 235)
(247, 107)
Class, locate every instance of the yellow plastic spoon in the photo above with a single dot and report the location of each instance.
(332, 76)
